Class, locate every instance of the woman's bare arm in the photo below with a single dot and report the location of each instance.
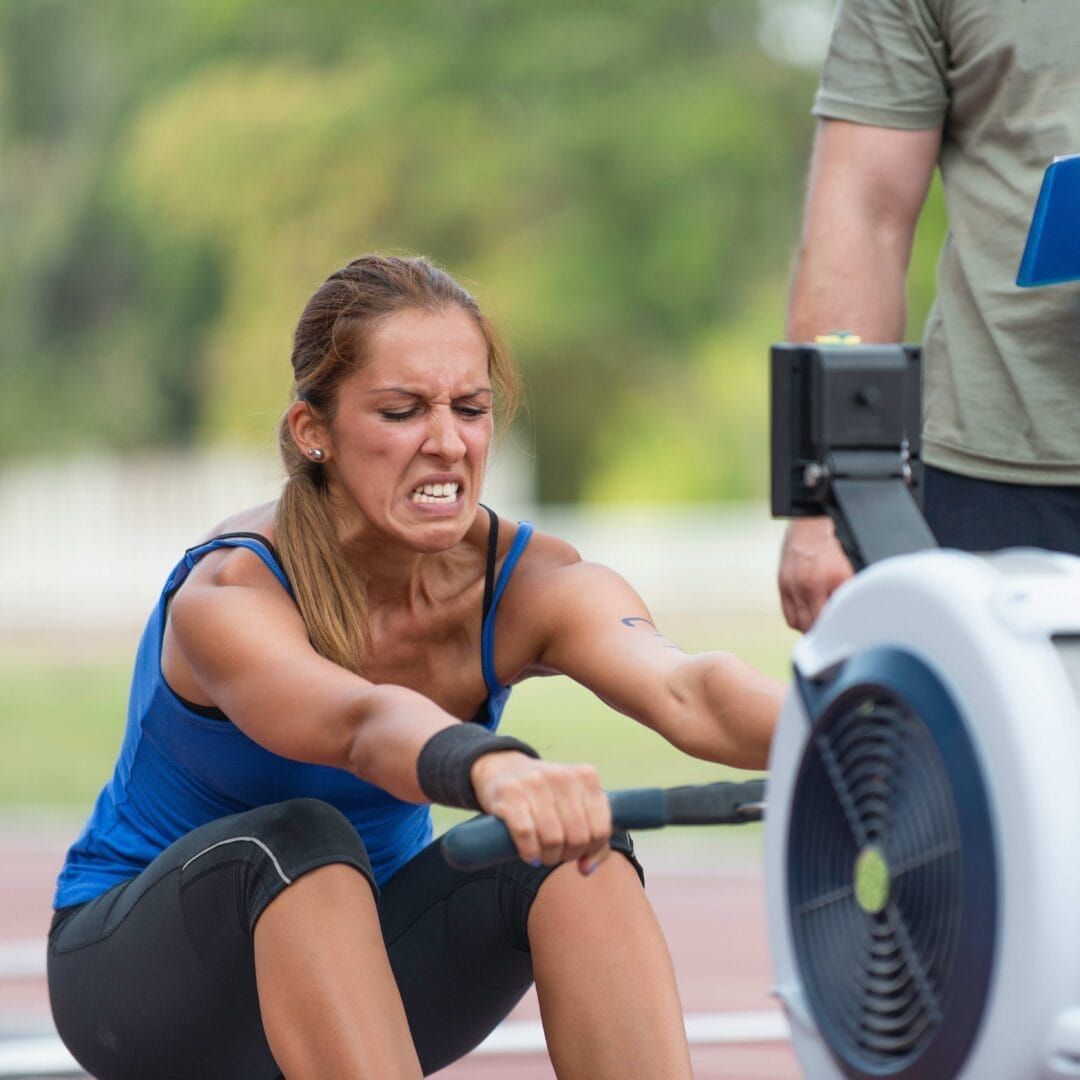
(593, 627)
(248, 649)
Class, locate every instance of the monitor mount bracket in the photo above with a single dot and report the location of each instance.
(846, 443)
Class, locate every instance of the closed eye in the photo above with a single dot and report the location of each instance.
(467, 412)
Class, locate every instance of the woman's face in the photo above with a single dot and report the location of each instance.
(409, 443)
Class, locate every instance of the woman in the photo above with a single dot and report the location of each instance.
(256, 892)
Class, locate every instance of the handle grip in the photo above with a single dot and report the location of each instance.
(485, 841)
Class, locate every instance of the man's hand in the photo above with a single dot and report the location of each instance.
(812, 566)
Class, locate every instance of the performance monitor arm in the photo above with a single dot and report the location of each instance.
(846, 442)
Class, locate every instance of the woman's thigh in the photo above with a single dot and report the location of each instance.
(459, 948)
(157, 976)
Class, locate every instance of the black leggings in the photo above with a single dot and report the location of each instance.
(156, 977)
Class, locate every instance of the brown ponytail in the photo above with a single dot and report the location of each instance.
(330, 344)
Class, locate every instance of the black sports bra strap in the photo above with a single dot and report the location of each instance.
(492, 552)
(250, 536)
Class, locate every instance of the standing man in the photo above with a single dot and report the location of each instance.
(989, 93)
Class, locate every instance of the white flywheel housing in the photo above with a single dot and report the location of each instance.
(923, 827)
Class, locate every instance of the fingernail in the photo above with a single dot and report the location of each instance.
(592, 869)
(535, 863)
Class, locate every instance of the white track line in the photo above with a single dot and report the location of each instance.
(715, 1029)
(22, 959)
(702, 1029)
(46, 1055)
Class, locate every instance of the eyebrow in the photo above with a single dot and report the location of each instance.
(416, 394)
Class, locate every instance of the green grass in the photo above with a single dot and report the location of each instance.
(61, 723)
(60, 727)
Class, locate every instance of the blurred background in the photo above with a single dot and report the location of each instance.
(619, 183)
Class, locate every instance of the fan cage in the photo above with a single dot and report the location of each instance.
(879, 874)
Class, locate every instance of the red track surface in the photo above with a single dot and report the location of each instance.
(715, 925)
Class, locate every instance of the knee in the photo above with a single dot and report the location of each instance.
(305, 833)
(520, 885)
(295, 837)
(305, 816)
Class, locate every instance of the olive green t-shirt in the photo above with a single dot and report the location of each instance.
(1002, 364)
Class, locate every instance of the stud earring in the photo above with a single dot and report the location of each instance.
(316, 454)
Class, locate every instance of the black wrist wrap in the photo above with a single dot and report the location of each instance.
(447, 758)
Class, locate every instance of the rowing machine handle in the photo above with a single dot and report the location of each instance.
(484, 841)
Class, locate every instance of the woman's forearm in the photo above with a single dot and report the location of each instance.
(723, 710)
(388, 727)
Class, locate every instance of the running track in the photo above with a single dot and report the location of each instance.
(711, 905)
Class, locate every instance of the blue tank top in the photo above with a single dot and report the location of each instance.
(182, 766)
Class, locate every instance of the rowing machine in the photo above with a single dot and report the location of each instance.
(923, 787)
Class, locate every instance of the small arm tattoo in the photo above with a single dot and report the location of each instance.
(633, 621)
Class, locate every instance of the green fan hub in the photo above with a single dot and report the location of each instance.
(872, 879)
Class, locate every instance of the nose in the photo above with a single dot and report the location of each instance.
(444, 440)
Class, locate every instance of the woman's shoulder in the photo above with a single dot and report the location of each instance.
(255, 520)
(545, 554)
(552, 574)
(239, 565)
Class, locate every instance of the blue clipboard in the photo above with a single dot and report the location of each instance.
(1052, 252)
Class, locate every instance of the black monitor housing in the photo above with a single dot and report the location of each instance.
(846, 422)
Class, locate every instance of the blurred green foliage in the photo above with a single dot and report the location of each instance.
(620, 182)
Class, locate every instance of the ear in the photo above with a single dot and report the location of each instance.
(308, 431)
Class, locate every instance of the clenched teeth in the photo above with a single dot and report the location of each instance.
(434, 493)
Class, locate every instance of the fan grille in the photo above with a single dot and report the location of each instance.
(876, 880)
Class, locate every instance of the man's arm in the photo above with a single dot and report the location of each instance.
(866, 190)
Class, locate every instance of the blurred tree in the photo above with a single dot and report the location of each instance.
(621, 181)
